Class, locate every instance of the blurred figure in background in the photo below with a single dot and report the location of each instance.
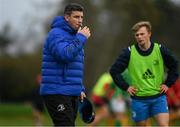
(118, 107)
(37, 103)
(173, 98)
(100, 98)
(109, 102)
(119, 103)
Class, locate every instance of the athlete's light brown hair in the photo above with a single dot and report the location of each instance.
(140, 24)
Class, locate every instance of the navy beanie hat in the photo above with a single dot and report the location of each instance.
(86, 111)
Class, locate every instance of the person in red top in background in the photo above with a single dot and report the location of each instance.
(37, 103)
(173, 99)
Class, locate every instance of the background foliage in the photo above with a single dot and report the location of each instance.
(110, 23)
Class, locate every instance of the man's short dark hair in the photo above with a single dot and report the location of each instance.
(73, 7)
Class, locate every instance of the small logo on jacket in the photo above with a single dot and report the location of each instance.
(60, 107)
(148, 74)
(156, 62)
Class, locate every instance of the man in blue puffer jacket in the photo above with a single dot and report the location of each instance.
(63, 65)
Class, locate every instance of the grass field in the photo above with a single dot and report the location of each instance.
(18, 115)
(21, 115)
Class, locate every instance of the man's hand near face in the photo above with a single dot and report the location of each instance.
(85, 31)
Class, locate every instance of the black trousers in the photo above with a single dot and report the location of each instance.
(62, 109)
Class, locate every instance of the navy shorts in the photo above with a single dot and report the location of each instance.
(143, 109)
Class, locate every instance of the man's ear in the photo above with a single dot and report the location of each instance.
(149, 34)
(66, 17)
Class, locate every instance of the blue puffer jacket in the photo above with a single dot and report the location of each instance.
(63, 60)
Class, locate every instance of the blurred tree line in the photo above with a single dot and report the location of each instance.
(110, 23)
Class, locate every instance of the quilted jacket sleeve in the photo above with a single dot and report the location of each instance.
(63, 47)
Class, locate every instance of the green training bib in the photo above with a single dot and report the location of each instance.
(146, 72)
